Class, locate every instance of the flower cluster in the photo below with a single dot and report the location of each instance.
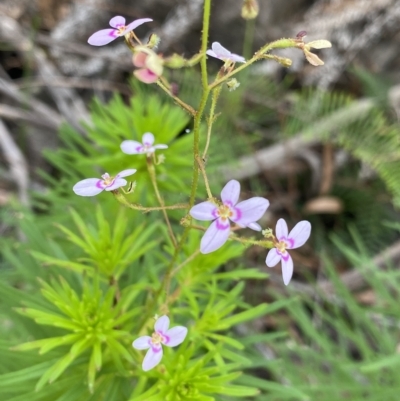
(93, 186)
(246, 214)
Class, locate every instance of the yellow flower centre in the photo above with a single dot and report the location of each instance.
(121, 30)
(107, 179)
(281, 246)
(157, 338)
(224, 212)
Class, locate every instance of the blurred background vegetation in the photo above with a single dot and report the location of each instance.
(322, 144)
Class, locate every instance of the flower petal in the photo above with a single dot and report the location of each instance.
(118, 182)
(320, 44)
(250, 210)
(281, 230)
(220, 50)
(142, 342)
(146, 76)
(299, 234)
(139, 59)
(313, 59)
(103, 37)
(160, 146)
(176, 336)
(126, 173)
(273, 258)
(215, 236)
(152, 358)
(230, 192)
(148, 139)
(237, 59)
(254, 226)
(133, 25)
(117, 21)
(131, 147)
(88, 187)
(287, 268)
(162, 324)
(204, 211)
(211, 53)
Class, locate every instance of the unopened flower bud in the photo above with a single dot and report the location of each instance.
(232, 84)
(153, 41)
(175, 61)
(250, 9)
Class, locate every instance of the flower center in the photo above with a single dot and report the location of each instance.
(121, 29)
(281, 246)
(224, 212)
(157, 338)
(107, 179)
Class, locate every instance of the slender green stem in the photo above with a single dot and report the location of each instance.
(180, 102)
(204, 42)
(121, 199)
(211, 118)
(248, 38)
(152, 173)
(203, 171)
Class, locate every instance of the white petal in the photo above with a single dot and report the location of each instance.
(162, 324)
(287, 268)
(133, 25)
(211, 53)
(281, 230)
(148, 139)
(160, 146)
(204, 211)
(117, 21)
(142, 342)
(273, 258)
(152, 358)
(220, 50)
(88, 187)
(250, 210)
(176, 336)
(126, 173)
(118, 182)
(215, 236)
(320, 44)
(299, 234)
(254, 226)
(131, 147)
(230, 192)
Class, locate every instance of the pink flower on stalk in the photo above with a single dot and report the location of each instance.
(105, 36)
(161, 335)
(244, 214)
(93, 186)
(136, 148)
(283, 241)
(150, 65)
(218, 51)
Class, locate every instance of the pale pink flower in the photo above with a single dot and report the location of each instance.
(218, 51)
(244, 214)
(147, 147)
(283, 241)
(105, 36)
(162, 336)
(150, 65)
(93, 186)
